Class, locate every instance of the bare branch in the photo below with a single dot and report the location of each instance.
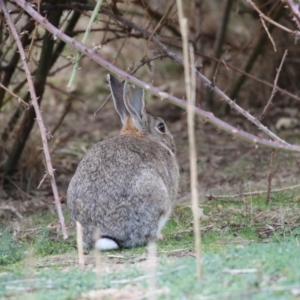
(263, 16)
(38, 116)
(276, 144)
(204, 79)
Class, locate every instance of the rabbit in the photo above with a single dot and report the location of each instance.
(125, 186)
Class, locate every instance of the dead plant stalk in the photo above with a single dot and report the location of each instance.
(38, 117)
(272, 159)
(79, 244)
(190, 85)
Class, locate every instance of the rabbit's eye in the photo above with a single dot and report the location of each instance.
(161, 127)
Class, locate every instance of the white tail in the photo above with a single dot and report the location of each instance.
(106, 244)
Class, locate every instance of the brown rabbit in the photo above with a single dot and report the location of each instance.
(126, 186)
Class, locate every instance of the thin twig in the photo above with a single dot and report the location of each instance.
(268, 33)
(38, 117)
(227, 65)
(276, 144)
(263, 16)
(65, 93)
(146, 61)
(63, 115)
(25, 104)
(12, 209)
(275, 85)
(102, 105)
(42, 181)
(32, 41)
(273, 154)
(190, 86)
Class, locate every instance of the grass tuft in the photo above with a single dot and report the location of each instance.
(10, 250)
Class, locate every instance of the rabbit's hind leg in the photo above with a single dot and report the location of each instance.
(163, 219)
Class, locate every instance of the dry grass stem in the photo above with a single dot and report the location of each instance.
(272, 159)
(152, 265)
(79, 244)
(274, 86)
(39, 119)
(239, 271)
(98, 260)
(251, 205)
(268, 33)
(190, 85)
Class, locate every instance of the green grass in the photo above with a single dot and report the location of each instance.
(275, 266)
(229, 241)
(10, 250)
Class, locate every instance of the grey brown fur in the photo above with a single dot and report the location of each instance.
(126, 186)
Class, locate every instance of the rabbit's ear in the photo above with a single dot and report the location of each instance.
(135, 104)
(116, 89)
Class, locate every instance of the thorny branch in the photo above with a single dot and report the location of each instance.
(207, 116)
(204, 79)
(263, 16)
(295, 10)
(165, 51)
(38, 116)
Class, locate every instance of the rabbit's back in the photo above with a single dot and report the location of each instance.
(120, 185)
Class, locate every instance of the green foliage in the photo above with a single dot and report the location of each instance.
(10, 250)
(48, 243)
